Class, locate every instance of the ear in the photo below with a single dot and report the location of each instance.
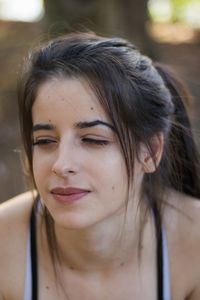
(151, 154)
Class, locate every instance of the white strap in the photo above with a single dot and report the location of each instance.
(166, 273)
(28, 279)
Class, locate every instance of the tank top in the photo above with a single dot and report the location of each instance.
(31, 275)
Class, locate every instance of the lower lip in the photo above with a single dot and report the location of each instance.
(68, 199)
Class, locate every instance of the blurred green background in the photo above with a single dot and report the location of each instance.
(167, 30)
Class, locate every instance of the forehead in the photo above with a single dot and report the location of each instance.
(67, 98)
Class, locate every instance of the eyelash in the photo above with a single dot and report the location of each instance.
(44, 142)
(95, 141)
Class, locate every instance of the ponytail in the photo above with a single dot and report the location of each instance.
(181, 161)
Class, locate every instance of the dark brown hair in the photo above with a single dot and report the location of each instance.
(142, 99)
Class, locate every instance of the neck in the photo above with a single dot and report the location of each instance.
(102, 247)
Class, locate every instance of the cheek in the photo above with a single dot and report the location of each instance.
(112, 173)
(41, 168)
(37, 163)
(42, 159)
(38, 175)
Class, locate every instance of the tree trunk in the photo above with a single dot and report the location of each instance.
(125, 18)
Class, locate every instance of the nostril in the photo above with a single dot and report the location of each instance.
(62, 171)
(70, 171)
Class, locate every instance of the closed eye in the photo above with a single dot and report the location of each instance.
(93, 141)
(43, 142)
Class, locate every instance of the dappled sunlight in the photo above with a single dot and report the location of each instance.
(172, 33)
(171, 11)
(21, 10)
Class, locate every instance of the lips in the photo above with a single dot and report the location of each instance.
(69, 194)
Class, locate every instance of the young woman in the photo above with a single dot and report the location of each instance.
(115, 211)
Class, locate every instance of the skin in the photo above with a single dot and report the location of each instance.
(71, 159)
(97, 247)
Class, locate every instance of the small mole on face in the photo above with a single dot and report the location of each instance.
(91, 108)
(47, 287)
(113, 187)
(71, 268)
(122, 264)
(49, 121)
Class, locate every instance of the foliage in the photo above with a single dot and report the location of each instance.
(186, 11)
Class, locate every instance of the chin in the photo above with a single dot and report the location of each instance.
(73, 221)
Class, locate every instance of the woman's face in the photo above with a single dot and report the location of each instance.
(78, 167)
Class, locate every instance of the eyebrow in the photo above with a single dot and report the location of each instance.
(41, 126)
(80, 125)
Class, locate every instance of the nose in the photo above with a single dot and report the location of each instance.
(66, 161)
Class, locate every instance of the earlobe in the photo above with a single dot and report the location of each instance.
(151, 153)
(149, 165)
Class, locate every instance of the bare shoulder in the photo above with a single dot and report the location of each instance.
(182, 214)
(14, 219)
(17, 207)
(182, 223)
(14, 216)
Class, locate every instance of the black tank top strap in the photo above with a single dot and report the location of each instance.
(34, 260)
(159, 254)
